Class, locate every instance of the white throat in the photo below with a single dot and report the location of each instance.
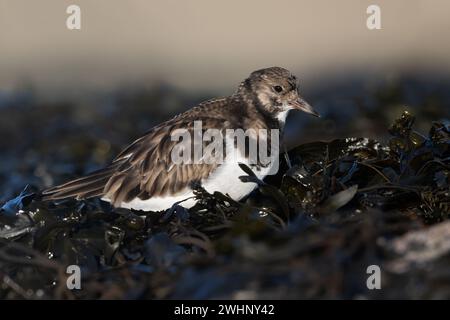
(281, 116)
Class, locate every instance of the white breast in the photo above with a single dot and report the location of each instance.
(224, 179)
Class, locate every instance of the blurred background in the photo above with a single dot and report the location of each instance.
(71, 99)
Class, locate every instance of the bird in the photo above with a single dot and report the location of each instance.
(144, 176)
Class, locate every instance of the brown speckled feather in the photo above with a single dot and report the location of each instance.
(145, 169)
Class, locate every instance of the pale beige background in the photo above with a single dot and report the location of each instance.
(213, 44)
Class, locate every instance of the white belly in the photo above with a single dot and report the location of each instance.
(224, 179)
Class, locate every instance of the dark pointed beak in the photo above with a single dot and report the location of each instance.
(304, 106)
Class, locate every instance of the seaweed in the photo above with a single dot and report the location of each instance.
(311, 231)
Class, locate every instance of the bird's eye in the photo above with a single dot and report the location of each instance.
(278, 88)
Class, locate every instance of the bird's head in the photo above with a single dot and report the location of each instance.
(276, 90)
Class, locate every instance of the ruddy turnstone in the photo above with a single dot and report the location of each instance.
(144, 175)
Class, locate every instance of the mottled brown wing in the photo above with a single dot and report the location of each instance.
(145, 168)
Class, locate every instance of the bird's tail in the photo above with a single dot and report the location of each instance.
(90, 186)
